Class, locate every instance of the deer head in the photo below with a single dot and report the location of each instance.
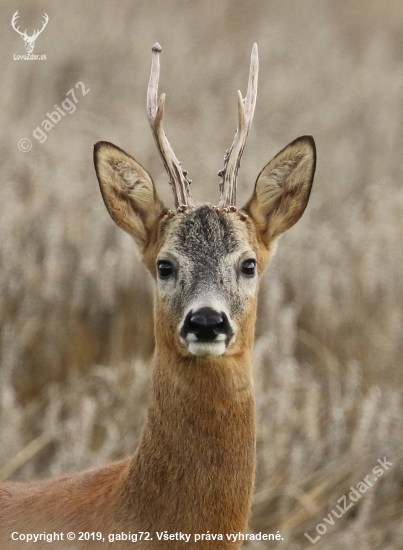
(207, 259)
(29, 40)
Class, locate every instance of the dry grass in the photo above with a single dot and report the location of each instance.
(75, 310)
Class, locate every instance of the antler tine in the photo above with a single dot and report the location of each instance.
(232, 159)
(13, 23)
(155, 112)
(38, 31)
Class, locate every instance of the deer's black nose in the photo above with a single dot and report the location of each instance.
(206, 324)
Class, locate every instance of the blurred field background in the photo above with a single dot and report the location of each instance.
(76, 303)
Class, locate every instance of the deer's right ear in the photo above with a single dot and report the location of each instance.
(128, 192)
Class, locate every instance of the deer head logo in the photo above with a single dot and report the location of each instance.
(29, 40)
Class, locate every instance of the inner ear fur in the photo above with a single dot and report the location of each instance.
(128, 192)
(282, 189)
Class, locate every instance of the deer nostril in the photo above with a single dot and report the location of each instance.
(206, 324)
(206, 321)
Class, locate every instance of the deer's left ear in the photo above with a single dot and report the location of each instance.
(282, 189)
(128, 192)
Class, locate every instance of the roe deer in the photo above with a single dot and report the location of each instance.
(193, 470)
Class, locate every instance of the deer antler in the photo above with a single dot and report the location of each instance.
(38, 32)
(232, 159)
(13, 22)
(155, 112)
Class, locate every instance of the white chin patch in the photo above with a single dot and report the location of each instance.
(207, 348)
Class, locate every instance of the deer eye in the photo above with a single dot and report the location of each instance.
(165, 269)
(248, 268)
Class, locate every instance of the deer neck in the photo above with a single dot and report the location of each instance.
(193, 470)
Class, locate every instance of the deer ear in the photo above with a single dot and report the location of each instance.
(128, 192)
(282, 189)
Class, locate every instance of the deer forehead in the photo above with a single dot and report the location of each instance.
(205, 238)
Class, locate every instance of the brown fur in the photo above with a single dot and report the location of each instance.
(193, 471)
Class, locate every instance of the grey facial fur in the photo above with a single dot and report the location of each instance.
(207, 248)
